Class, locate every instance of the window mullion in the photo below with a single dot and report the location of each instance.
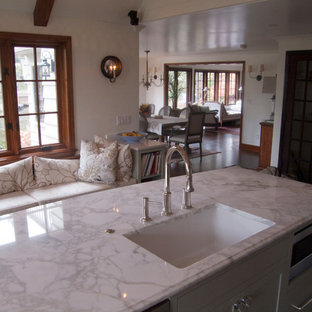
(227, 86)
(37, 96)
(10, 98)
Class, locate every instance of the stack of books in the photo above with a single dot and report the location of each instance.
(150, 164)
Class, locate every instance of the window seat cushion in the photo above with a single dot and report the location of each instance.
(15, 201)
(51, 193)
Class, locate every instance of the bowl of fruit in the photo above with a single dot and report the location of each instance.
(132, 136)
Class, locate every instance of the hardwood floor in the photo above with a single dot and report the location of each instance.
(225, 141)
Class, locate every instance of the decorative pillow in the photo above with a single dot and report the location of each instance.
(17, 176)
(55, 171)
(124, 159)
(98, 164)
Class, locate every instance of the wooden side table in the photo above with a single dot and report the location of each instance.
(265, 144)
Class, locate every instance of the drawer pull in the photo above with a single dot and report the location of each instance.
(242, 304)
(303, 306)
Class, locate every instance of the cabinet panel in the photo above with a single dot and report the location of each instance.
(252, 297)
(225, 288)
(265, 145)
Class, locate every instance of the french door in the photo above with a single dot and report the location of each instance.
(295, 158)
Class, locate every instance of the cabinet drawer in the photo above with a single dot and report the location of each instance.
(261, 296)
(230, 283)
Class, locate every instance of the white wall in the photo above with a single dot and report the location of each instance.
(257, 106)
(285, 44)
(97, 102)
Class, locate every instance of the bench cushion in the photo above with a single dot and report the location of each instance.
(57, 192)
(15, 201)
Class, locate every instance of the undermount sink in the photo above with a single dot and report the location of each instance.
(186, 239)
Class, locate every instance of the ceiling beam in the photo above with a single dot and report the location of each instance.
(42, 12)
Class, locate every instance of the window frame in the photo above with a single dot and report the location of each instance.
(217, 84)
(188, 83)
(64, 78)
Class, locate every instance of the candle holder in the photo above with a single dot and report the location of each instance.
(111, 67)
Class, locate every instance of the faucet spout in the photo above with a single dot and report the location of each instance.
(189, 181)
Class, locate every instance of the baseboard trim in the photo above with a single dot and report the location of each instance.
(250, 148)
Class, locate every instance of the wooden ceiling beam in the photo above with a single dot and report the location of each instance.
(42, 12)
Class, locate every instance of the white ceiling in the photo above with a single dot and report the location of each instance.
(257, 25)
(111, 11)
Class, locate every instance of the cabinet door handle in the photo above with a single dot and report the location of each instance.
(303, 306)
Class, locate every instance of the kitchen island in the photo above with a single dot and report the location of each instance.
(72, 255)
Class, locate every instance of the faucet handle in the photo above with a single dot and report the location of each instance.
(186, 200)
(166, 211)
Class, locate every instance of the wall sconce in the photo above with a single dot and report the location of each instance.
(111, 67)
(149, 79)
(260, 71)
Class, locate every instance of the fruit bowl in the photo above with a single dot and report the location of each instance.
(132, 136)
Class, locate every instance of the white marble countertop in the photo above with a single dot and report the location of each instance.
(58, 257)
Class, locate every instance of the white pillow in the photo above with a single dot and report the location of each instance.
(17, 176)
(98, 164)
(55, 171)
(124, 159)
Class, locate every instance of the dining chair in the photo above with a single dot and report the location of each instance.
(165, 111)
(184, 112)
(193, 132)
(151, 108)
(143, 123)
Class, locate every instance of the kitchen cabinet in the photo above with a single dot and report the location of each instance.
(252, 284)
(265, 145)
(296, 289)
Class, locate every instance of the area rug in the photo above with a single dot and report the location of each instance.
(176, 157)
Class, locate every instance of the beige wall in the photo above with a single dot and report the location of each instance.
(97, 102)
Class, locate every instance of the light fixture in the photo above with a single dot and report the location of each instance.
(148, 79)
(134, 20)
(111, 67)
(260, 71)
(48, 65)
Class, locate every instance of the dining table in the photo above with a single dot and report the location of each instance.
(158, 124)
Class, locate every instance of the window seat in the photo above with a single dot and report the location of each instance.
(31, 182)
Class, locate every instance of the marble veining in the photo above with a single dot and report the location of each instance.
(58, 257)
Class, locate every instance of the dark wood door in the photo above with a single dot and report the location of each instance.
(295, 159)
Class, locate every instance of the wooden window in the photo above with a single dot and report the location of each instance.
(220, 86)
(36, 102)
(211, 86)
(199, 90)
(179, 87)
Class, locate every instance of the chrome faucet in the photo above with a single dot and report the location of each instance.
(186, 204)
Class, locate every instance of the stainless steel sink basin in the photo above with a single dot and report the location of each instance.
(186, 239)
